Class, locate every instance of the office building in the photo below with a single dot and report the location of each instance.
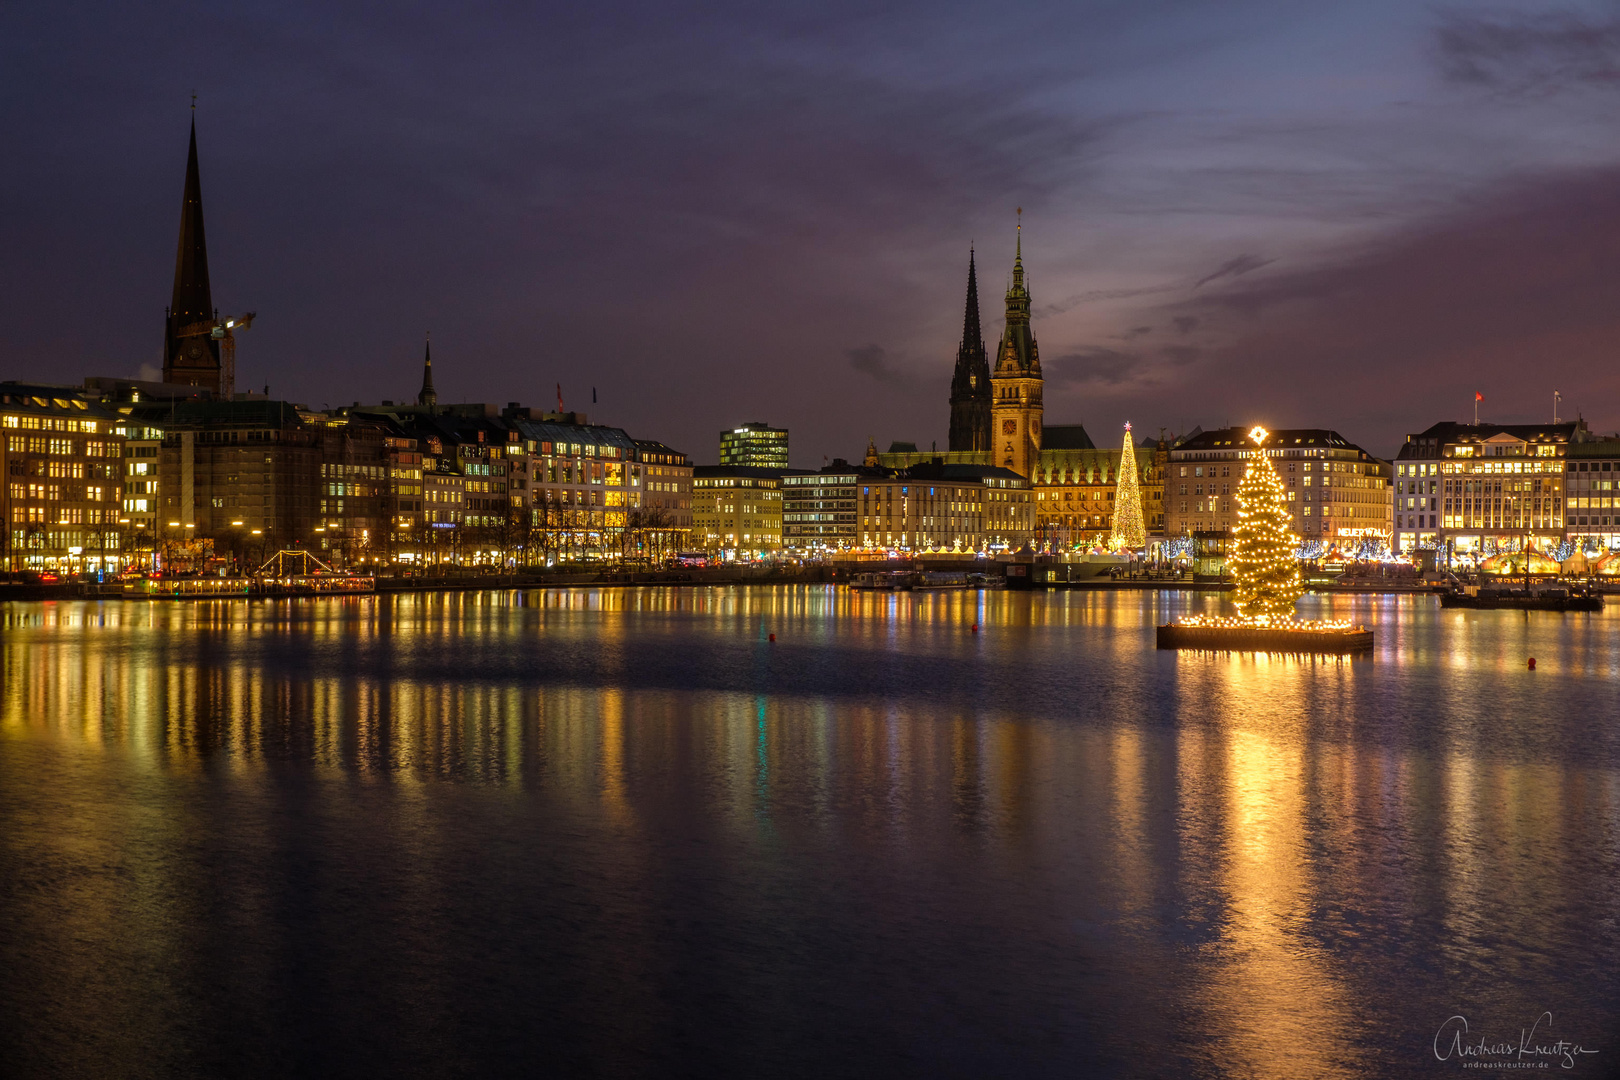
(62, 460)
(1461, 487)
(1337, 491)
(736, 510)
(935, 506)
(756, 446)
(819, 509)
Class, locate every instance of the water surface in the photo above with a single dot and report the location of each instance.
(622, 833)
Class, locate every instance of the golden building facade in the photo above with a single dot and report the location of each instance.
(62, 459)
(937, 507)
(737, 510)
(1075, 493)
(1337, 492)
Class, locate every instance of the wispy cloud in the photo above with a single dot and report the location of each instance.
(1235, 267)
(874, 360)
(1528, 53)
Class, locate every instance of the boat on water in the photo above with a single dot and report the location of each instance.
(913, 581)
(287, 573)
(1537, 598)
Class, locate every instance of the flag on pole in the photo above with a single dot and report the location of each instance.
(1478, 396)
(559, 397)
(593, 395)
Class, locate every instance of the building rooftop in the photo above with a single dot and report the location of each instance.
(258, 413)
(648, 447)
(947, 473)
(756, 472)
(1432, 442)
(1281, 439)
(1066, 437)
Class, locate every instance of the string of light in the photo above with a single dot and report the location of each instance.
(1130, 532)
(1264, 560)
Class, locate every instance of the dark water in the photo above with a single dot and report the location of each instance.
(623, 834)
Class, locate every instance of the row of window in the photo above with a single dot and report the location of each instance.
(56, 492)
(48, 423)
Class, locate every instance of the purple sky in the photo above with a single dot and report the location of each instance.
(1348, 216)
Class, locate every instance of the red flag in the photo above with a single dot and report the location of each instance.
(1478, 396)
(559, 397)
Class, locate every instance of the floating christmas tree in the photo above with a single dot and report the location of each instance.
(1263, 559)
(1129, 531)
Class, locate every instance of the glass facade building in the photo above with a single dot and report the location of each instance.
(755, 446)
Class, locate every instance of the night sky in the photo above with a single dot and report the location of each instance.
(1348, 215)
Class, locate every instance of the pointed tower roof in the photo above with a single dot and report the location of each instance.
(1017, 353)
(971, 334)
(970, 386)
(427, 396)
(1018, 290)
(193, 300)
(972, 366)
(192, 360)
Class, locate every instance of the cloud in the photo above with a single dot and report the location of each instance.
(1237, 267)
(1098, 366)
(1527, 54)
(1094, 364)
(1100, 295)
(1514, 290)
(873, 360)
(1185, 324)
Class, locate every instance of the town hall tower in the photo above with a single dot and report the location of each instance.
(1015, 383)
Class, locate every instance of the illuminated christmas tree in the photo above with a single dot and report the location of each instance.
(1129, 531)
(1263, 558)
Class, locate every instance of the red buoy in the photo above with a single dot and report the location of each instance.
(1532, 663)
(975, 628)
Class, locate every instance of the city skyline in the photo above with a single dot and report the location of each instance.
(1302, 286)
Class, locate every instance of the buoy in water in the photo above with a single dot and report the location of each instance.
(1532, 663)
(975, 628)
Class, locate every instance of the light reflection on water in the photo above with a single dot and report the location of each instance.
(471, 832)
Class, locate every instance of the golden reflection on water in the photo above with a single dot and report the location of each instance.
(1288, 821)
(1278, 992)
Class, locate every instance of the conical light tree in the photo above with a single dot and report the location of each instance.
(1129, 531)
(1262, 559)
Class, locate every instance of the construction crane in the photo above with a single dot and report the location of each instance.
(224, 332)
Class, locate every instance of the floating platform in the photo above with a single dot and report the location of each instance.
(1263, 639)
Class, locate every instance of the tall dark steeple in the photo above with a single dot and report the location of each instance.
(427, 396)
(192, 360)
(970, 386)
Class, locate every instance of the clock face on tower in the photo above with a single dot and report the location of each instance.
(1009, 427)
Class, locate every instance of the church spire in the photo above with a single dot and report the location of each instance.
(193, 359)
(970, 386)
(427, 396)
(970, 317)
